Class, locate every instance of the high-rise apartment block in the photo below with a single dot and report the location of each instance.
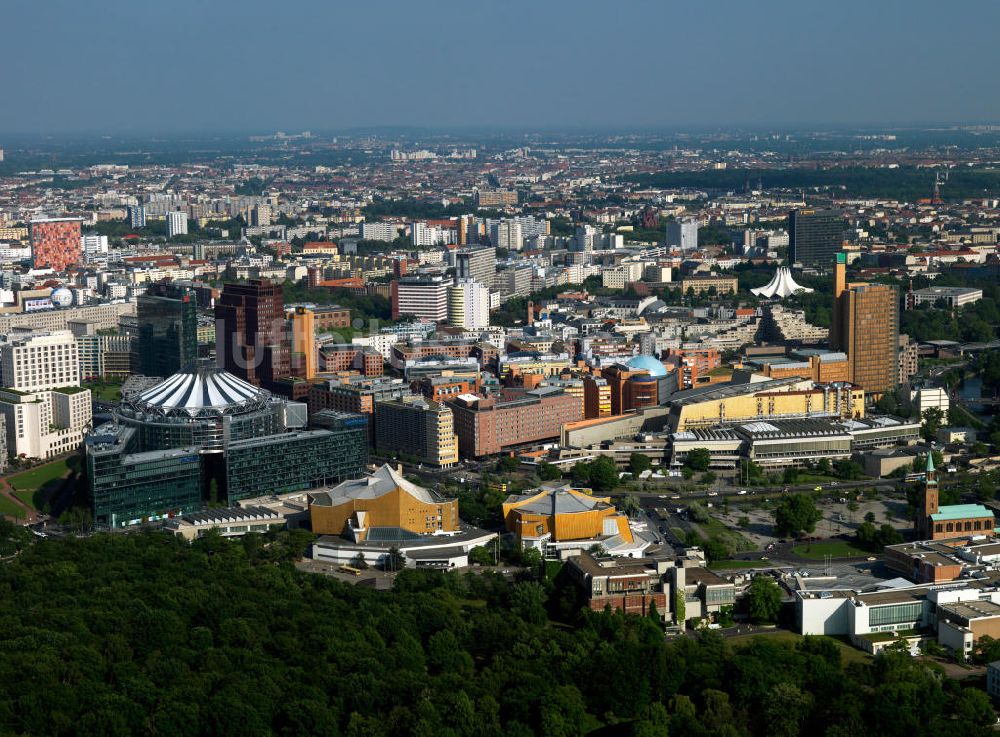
(419, 427)
(468, 305)
(507, 234)
(137, 215)
(866, 327)
(814, 236)
(177, 223)
(167, 339)
(682, 234)
(423, 297)
(55, 243)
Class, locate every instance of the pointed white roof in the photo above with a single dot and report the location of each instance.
(781, 285)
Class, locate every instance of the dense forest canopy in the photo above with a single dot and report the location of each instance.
(128, 634)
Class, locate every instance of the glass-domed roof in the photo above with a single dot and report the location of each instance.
(647, 363)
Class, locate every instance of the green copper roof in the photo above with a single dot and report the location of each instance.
(930, 462)
(841, 258)
(961, 511)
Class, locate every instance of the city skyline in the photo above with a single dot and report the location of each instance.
(578, 66)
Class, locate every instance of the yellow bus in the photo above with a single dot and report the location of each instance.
(350, 569)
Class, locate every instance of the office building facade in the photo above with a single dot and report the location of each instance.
(488, 426)
(814, 236)
(866, 327)
(479, 264)
(423, 297)
(250, 331)
(167, 339)
(418, 427)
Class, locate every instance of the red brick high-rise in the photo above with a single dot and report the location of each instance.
(55, 243)
(251, 341)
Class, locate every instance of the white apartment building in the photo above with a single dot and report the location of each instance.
(177, 223)
(422, 234)
(45, 424)
(94, 247)
(39, 361)
(683, 234)
(426, 298)
(930, 398)
(379, 231)
(468, 305)
(507, 234)
(625, 273)
(45, 411)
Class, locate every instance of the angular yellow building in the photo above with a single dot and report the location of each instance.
(380, 502)
(563, 518)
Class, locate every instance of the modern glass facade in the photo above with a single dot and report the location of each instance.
(291, 461)
(202, 429)
(908, 613)
(168, 330)
(128, 487)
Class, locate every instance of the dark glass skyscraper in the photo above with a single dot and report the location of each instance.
(250, 332)
(814, 236)
(168, 330)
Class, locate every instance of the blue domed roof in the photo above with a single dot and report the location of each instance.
(647, 363)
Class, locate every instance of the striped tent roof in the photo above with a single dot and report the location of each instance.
(199, 390)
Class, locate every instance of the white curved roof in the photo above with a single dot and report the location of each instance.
(781, 285)
(199, 390)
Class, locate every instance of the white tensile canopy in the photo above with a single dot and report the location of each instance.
(782, 285)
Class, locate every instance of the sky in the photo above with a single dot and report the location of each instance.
(134, 66)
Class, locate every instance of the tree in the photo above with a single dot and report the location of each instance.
(507, 464)
(548, 472)
(394, 560)
(795, 515)
(763, 599)
(932, 420)
(638, 462)
(481, 555)
(629, 505)
(698, 459)
(603, 474)
(848, 469)
(359, 562)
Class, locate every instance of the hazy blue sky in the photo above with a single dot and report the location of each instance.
(153, 65)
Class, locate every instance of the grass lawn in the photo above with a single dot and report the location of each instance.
(107, 392)
(9, 508)
(836, 548)
(27, 483)
(848, 653)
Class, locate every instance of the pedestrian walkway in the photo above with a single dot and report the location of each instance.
(30, 515)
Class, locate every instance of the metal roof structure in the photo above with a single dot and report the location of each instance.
(199, 390)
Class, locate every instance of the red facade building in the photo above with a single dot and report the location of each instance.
(55, 243)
